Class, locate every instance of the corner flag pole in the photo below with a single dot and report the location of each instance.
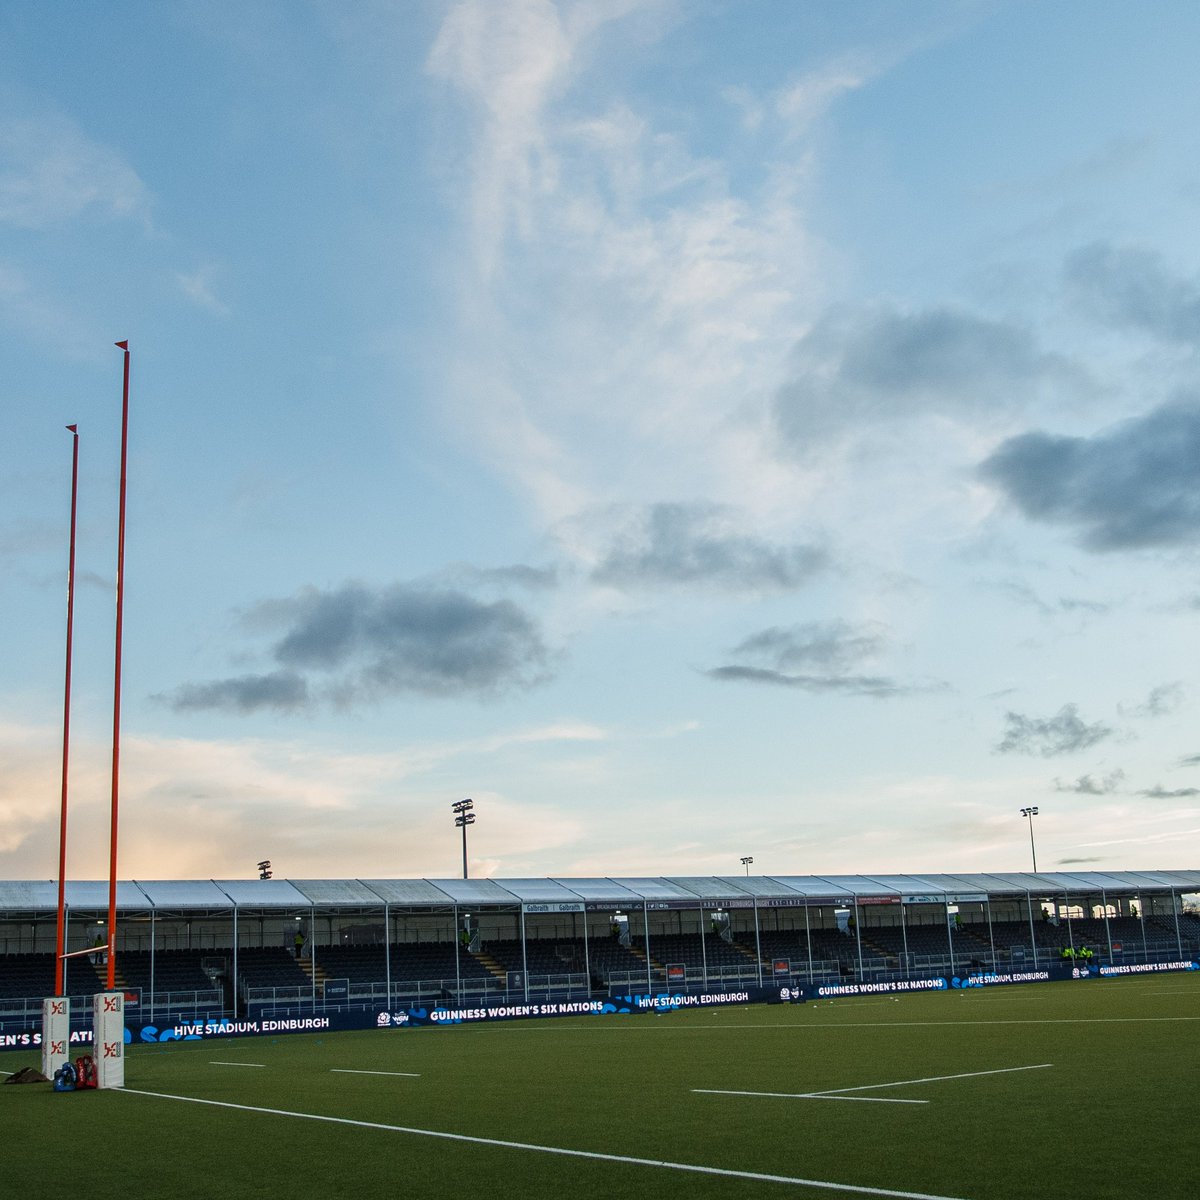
(116, 752)
(66, 752)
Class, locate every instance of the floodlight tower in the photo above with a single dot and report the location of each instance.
(1030, 813)
(462, 818)
(746, 863)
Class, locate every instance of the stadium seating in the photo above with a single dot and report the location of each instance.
(270, 967)
(173, 970)
(31, 976)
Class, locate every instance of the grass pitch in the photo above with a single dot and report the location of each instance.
(1072, 1090)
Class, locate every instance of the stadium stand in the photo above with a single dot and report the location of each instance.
(407, 932)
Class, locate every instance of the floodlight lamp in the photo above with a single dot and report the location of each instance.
(461, 806)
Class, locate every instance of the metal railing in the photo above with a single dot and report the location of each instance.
(178, 1006)
(419, 992)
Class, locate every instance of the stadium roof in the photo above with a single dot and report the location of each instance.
(208, 895)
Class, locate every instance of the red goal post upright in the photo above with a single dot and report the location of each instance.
(108, 1007)
(56, 1009)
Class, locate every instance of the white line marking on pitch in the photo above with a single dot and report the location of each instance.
(348, 1071)
(811, 1095)
(592, 1154)
(838, 1093)
(212, 1062)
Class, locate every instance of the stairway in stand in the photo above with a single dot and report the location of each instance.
(654, 963)
(750, 954)
(306, 965)
(488, 963)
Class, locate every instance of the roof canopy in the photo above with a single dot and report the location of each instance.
(260, 895)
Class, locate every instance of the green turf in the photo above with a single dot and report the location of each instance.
(1109, 1117)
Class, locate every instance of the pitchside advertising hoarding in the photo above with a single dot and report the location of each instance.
(20, 1036)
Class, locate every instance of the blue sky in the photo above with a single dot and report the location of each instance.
(692, 430)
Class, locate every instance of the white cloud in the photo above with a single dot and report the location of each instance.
(202, 808)
(26, 305)
(507, 61)
(629, 304)
(809, 98)
(54, 174)
(198, 286)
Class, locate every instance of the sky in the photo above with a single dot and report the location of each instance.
(693, 430)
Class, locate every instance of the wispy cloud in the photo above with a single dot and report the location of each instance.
(27, 304)
(1158, 792)
(508, 63)
(1089, 785)
(665, 285)
(1163, 700)
(879, 686)
(1023, 594)
(809, 97)
(52, 174)
(199, 286)
(830, 646)
(816, 657)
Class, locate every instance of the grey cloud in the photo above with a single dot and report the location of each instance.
(700, 545)
(517, 575)
(814, 657)
(1190, 760)
(1158, 792)
(881, 364)
(1162, 701)
(281, 691)
(1132, 288)
(855, 685)
(1064, 733)
(833, 646)
(1073, 604)
(1135, 486)
(360, 644)
(1088, 785)
(1023, 594)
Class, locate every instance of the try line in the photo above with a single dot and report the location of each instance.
(595, 1155)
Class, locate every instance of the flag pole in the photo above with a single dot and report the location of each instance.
(116, 751)
(60, 947)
